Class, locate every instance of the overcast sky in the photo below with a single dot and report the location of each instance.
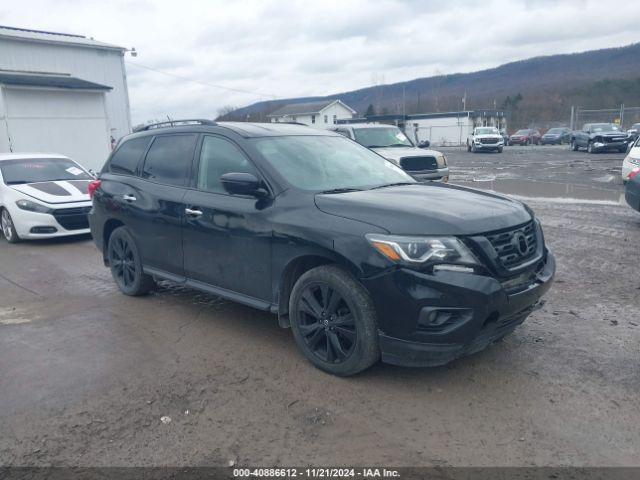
(290, 48)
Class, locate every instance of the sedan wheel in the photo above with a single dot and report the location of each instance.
(8, 228)
(333, 321)
(590, 148)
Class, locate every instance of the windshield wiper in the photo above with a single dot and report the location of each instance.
(342, 190)
(397, 184)
(398, 145)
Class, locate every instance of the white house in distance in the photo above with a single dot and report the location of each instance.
(322, 114)
(61, 93)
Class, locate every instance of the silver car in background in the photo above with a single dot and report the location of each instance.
(390, 142)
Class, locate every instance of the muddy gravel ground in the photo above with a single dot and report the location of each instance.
(86, 374)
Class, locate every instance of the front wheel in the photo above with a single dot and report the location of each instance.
(574, 146)
(334, 321)
(8, 228)
(590, 148)
(499, 149)
(126, 264)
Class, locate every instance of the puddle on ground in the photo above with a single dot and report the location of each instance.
(547, 191)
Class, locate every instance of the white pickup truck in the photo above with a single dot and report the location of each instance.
(485, 138)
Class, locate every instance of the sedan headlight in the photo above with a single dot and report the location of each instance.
(31, 206)
(422, 250)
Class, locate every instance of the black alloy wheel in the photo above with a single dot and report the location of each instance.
(326, 323)
(334, 321)
(125, 264)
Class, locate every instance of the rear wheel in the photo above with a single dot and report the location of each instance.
(126, 265)
(8, 228)
(334, 321)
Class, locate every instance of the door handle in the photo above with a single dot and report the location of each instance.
(129, 198)
(192, 212)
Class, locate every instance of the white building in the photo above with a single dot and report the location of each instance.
(451, 128)
(61, 93)
(322, 114)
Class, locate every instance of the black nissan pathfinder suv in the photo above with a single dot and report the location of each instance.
(357, 257)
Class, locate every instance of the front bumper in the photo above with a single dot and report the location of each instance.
(551, 140)
(441, 174)
(33, 225)
(485, 311)
(607, 146)
(488, 146)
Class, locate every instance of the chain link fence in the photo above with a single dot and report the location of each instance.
(623, 116)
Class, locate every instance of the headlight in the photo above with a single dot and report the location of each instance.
(31, 206)
(422, 250)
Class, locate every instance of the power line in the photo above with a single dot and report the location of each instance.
(146, 67)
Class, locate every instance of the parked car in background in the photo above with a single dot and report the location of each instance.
(390, 142)
(632, 189)
(487, 139)
(634, 132)
(632, 161)
(358, 258)
(556, 136)
(505, 136)
(42, 196)
(525, 136)
(600, 137)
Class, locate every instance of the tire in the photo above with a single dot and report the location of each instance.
(574, 146)
(333, 321)
(499, 149)
(8, 228)
(590, 148)
(126, 265)
(468, 147)
(473, 148)
(526, 143)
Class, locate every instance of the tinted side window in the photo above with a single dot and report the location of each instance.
(220, 156)
(125, 159)
(169, 158)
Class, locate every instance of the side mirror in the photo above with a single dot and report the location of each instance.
(424, 144)
(241, 184)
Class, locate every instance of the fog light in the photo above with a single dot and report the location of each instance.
(439, 320)
(43, 230)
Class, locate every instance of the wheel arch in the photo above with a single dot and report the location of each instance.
(109, 226)
(295, 268)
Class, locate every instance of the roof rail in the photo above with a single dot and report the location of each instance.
(175, 123)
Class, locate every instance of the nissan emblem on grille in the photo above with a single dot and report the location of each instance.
(520, 242)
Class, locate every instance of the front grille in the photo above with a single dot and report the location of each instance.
(509, 247)
(72, 218)
(614, 139)
(489, 141)
(417, 164)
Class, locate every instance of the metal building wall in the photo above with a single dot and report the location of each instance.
(103, 66)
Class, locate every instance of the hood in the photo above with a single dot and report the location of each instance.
(422, 209)
(396, 153)
(56, 192)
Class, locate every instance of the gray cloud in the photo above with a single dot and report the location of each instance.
(299, 48)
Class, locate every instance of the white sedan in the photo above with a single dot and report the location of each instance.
(632, 161)
(42, 196)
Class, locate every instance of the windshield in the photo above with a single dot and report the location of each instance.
(555, 130)
(34, 170)
(381, 137)
(604, 127)
(319, 163)
(522, 132)
(486, 131)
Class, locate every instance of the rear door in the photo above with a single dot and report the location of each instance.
(227, 238)
(155, 202)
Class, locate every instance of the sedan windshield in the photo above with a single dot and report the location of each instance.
(555, 131)
(381, 137)
(323, 163)
(34, 170)
(486, 131)
(604, 127)
(522, 132)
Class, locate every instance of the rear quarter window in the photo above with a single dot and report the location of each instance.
(125, 159)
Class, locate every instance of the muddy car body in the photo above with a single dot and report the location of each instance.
(358, 258)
